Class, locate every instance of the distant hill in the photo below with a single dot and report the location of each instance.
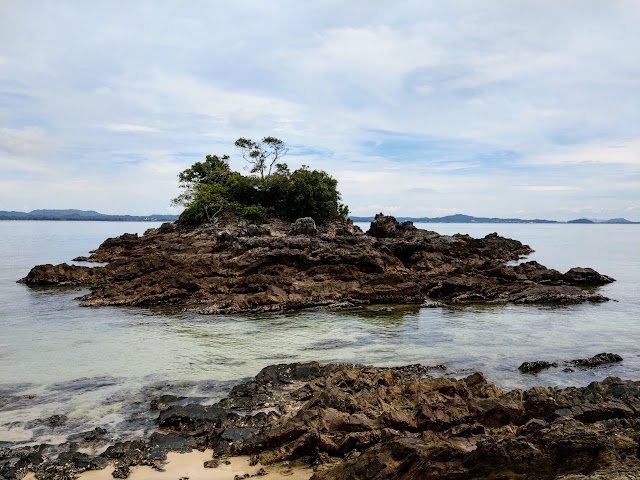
(92, 215)
(86, 215)
(619, 220)
(460, 218)
(581, 220)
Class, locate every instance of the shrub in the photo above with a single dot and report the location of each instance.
(255, 213)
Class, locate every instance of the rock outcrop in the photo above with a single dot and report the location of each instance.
(277, 266)
(400, 423)
(357, 422)
(592, 362)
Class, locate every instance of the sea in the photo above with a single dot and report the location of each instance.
(66, 369)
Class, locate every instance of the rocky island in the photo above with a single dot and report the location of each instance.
(243, 267)
(280, 240)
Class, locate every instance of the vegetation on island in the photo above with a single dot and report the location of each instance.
(211, 190)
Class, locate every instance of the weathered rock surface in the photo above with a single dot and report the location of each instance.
(536, 367)
(399, 423)
(278, 266)
(362, 422)
(592, 362)
(597, 360)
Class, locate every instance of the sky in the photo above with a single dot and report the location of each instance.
(418, 108)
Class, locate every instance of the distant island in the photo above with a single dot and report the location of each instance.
(460, 218)
(83, 215)
(91, 215)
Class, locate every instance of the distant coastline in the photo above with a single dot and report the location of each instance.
(91, 215)
(83, 215)
(460, 218)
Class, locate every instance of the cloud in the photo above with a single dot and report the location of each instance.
(549, 188)
(621, 153)
(28, 141)
(128, 127)
(421, 106)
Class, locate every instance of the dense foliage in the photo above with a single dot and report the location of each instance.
(212, 190)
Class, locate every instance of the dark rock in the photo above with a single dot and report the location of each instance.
(169, 442)
(536, 367)
(597, 360)
(384, 226)
(195, 419)
(122, 471)
(158, 453)
(57, 420)
(81, 461)
(62, 275)
(97, 433)
(586, 276)
(164, 401)
(31, 460)
(566, 294)
(125, 449)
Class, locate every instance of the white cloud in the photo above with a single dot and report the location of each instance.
(549, 188)
(622, 153)
(128, 127)
(106, 92)
(27, 141)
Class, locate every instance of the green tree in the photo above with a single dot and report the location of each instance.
(208, 201)
(214, 170)
(312, 193)
(262, 155)
(211, 188)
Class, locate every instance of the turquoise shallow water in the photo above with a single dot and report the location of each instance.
(101, 366)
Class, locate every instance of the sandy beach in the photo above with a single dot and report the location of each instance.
(191, 466)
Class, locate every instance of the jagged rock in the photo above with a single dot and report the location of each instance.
(57, 420)
(586, 276)
(122, 471)
(384, 226)
(399, 423)
(169, 442)
(556, 294)
(536, 367)
(304, 226)
(94, 434)
(388, 423)
(597, 360)
(231, 268)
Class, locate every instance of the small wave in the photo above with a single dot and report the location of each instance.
(85, 384)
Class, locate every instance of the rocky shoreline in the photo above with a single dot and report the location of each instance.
(278, 266)
(363, 422)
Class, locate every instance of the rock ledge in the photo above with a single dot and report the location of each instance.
(278, 266)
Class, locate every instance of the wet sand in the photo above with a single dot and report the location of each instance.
(190, 465)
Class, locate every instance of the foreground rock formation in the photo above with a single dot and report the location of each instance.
(362, 422)
(240, 268)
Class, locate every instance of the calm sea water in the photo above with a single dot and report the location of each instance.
(101, 366)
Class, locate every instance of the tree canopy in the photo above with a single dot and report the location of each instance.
(210, 189)
(262, 154)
